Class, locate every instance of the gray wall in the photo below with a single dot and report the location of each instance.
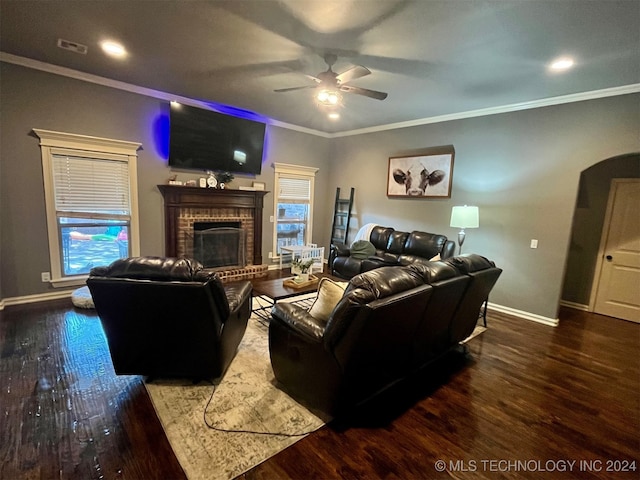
(33, 99)
(522, 169)
(588, 221)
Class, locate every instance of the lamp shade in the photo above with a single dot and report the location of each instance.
(465, 217)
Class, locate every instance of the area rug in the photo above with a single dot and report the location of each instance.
(476, 331)
(246, 399)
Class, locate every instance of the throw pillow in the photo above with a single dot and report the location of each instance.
(362, 249)
(435, 258)
(329, 294)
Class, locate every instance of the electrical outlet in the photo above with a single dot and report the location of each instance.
(271, 219)
(270, 254)
(45, 276)
(534, 243)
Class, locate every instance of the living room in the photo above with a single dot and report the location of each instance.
(533, 197)
(512, 162)
(521, 165)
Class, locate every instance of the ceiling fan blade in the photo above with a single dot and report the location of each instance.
(364, 91)
(353, 73)
(291, 89)
(315, 79)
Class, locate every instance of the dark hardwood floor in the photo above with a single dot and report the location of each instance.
(528, 399)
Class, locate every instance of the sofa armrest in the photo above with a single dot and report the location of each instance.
(340, 250)
(299, 320)
(237, 294)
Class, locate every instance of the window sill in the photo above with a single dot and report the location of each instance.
(69, 282)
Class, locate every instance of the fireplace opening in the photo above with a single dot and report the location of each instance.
(218, 244)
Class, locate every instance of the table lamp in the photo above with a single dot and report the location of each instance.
(464, 217)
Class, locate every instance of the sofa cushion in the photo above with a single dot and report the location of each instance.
(432, 272)
(396, 242)
(329, 294)
(470, 262)
(383, 282)
(380, 237)
(362, 249)
(423, 244)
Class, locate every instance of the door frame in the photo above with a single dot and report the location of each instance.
(605, 237)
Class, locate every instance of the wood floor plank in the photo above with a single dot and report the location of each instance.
(65, 412)
(526, 392)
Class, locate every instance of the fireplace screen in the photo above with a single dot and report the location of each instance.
(218, 244)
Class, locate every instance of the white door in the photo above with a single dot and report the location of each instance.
(617, 288)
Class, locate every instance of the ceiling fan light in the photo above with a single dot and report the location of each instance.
(323, 96)
(328, 97)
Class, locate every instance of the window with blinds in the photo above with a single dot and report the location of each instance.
(91, 185)
(293, 205)
(91, 202)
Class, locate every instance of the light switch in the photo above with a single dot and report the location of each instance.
(534, 243)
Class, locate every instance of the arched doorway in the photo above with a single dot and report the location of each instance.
(588, 221)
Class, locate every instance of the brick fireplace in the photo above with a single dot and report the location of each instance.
(186, 207)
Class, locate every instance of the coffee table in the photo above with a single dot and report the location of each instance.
(271, 291)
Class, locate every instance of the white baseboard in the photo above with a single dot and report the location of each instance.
(40, 297)
(553, 322)
(575, 306)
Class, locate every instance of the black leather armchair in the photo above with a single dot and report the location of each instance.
(168, 317)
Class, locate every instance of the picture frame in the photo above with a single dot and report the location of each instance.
(259, 186)
(426, 174)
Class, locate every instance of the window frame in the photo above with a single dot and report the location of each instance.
(60, 143)
(301, 172)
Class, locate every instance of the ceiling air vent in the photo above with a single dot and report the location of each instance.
(73, 46)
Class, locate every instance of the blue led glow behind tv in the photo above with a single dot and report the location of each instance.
(203, 140)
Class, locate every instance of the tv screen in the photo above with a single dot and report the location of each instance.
(201, 139)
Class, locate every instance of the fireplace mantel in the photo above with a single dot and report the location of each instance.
(178, 197)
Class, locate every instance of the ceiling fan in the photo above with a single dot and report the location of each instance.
(330, 83)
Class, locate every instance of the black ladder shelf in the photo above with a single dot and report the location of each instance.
(341, 217)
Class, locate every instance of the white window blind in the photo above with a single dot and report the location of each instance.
(294, 189)
(91, 185)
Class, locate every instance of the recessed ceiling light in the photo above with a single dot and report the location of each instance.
(113, 49)
(334, 116)
(563, 63)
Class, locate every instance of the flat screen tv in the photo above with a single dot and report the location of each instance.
(202, 139)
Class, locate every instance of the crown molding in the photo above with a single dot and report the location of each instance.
(149, 92)
(513, 107)
(128, 87)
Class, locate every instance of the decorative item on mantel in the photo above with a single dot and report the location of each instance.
(172, 180)
(212, 181)
(224, 178)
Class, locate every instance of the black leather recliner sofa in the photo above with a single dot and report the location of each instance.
(168, 317)
(392, 247)
(389, 323)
